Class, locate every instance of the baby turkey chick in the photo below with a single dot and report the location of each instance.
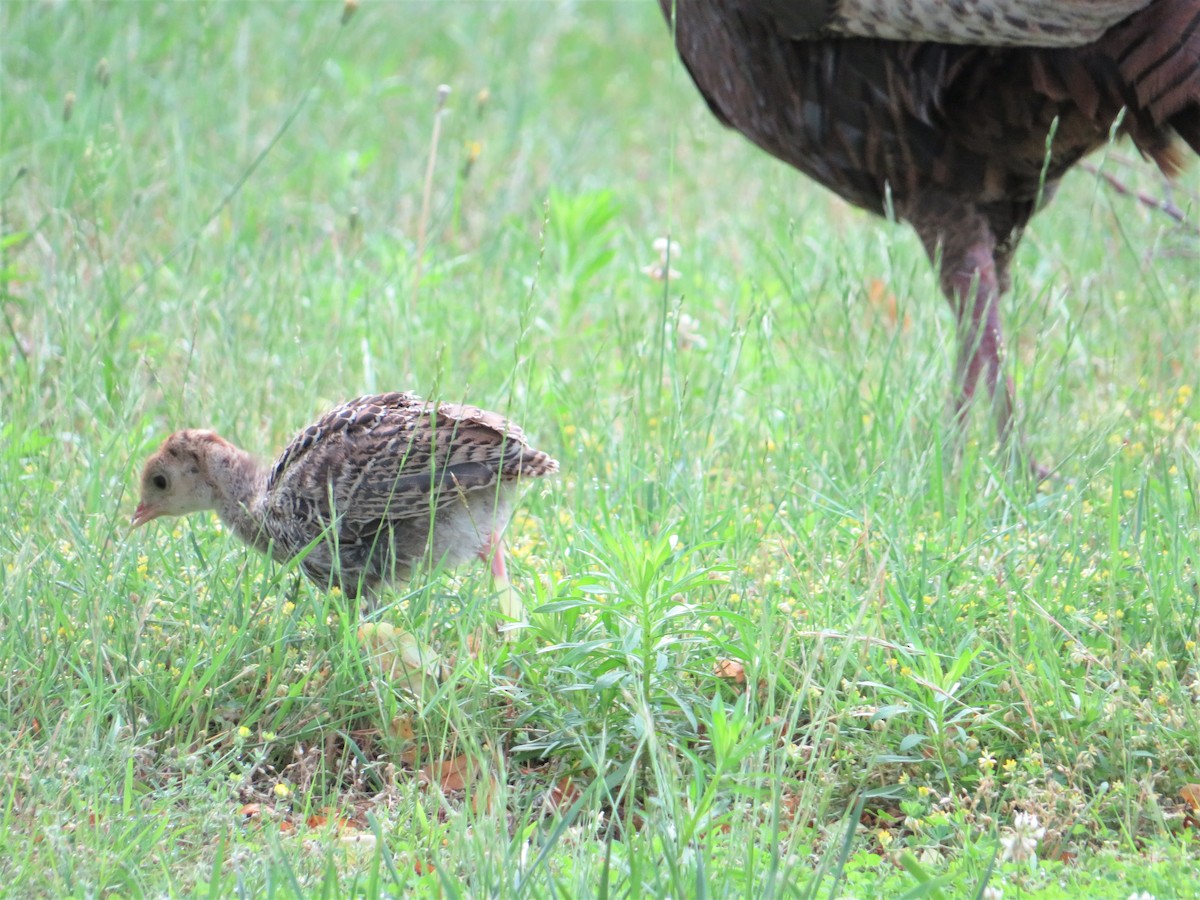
(362, 496)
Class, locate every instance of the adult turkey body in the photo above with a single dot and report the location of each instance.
(961, 119)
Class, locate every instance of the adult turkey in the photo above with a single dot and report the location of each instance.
(961, 116)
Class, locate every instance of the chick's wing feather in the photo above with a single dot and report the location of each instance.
(393, 457)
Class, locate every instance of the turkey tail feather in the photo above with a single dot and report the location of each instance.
(1157, 52)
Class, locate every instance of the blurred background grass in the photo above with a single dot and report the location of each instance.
(211, 216)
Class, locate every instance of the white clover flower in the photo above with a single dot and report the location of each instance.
(1022, 841)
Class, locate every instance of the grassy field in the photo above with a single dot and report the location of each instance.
(784, 641)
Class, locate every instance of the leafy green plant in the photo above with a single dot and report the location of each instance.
(581, 229)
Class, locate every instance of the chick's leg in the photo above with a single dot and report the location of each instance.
(510, 601)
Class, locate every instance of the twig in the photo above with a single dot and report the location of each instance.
(1128, 162)
(1163, 205)
(442, 94)
(830, 635)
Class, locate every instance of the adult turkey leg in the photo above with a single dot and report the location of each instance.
(974, 275)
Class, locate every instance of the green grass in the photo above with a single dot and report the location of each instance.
(755, 468)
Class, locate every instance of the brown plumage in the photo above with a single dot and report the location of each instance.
(952, 136)
(363, 495)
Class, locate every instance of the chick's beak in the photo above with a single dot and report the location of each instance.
(143, 514)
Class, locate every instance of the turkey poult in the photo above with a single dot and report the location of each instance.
(362, 496)
(959, 117)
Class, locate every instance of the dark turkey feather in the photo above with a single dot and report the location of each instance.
(996, 23)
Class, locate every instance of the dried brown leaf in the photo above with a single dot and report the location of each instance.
(562, 795)
(402, 729)
(1191, 796)
(730, 670)
(450, 775)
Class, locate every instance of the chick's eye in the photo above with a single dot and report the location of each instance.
(159, 481)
